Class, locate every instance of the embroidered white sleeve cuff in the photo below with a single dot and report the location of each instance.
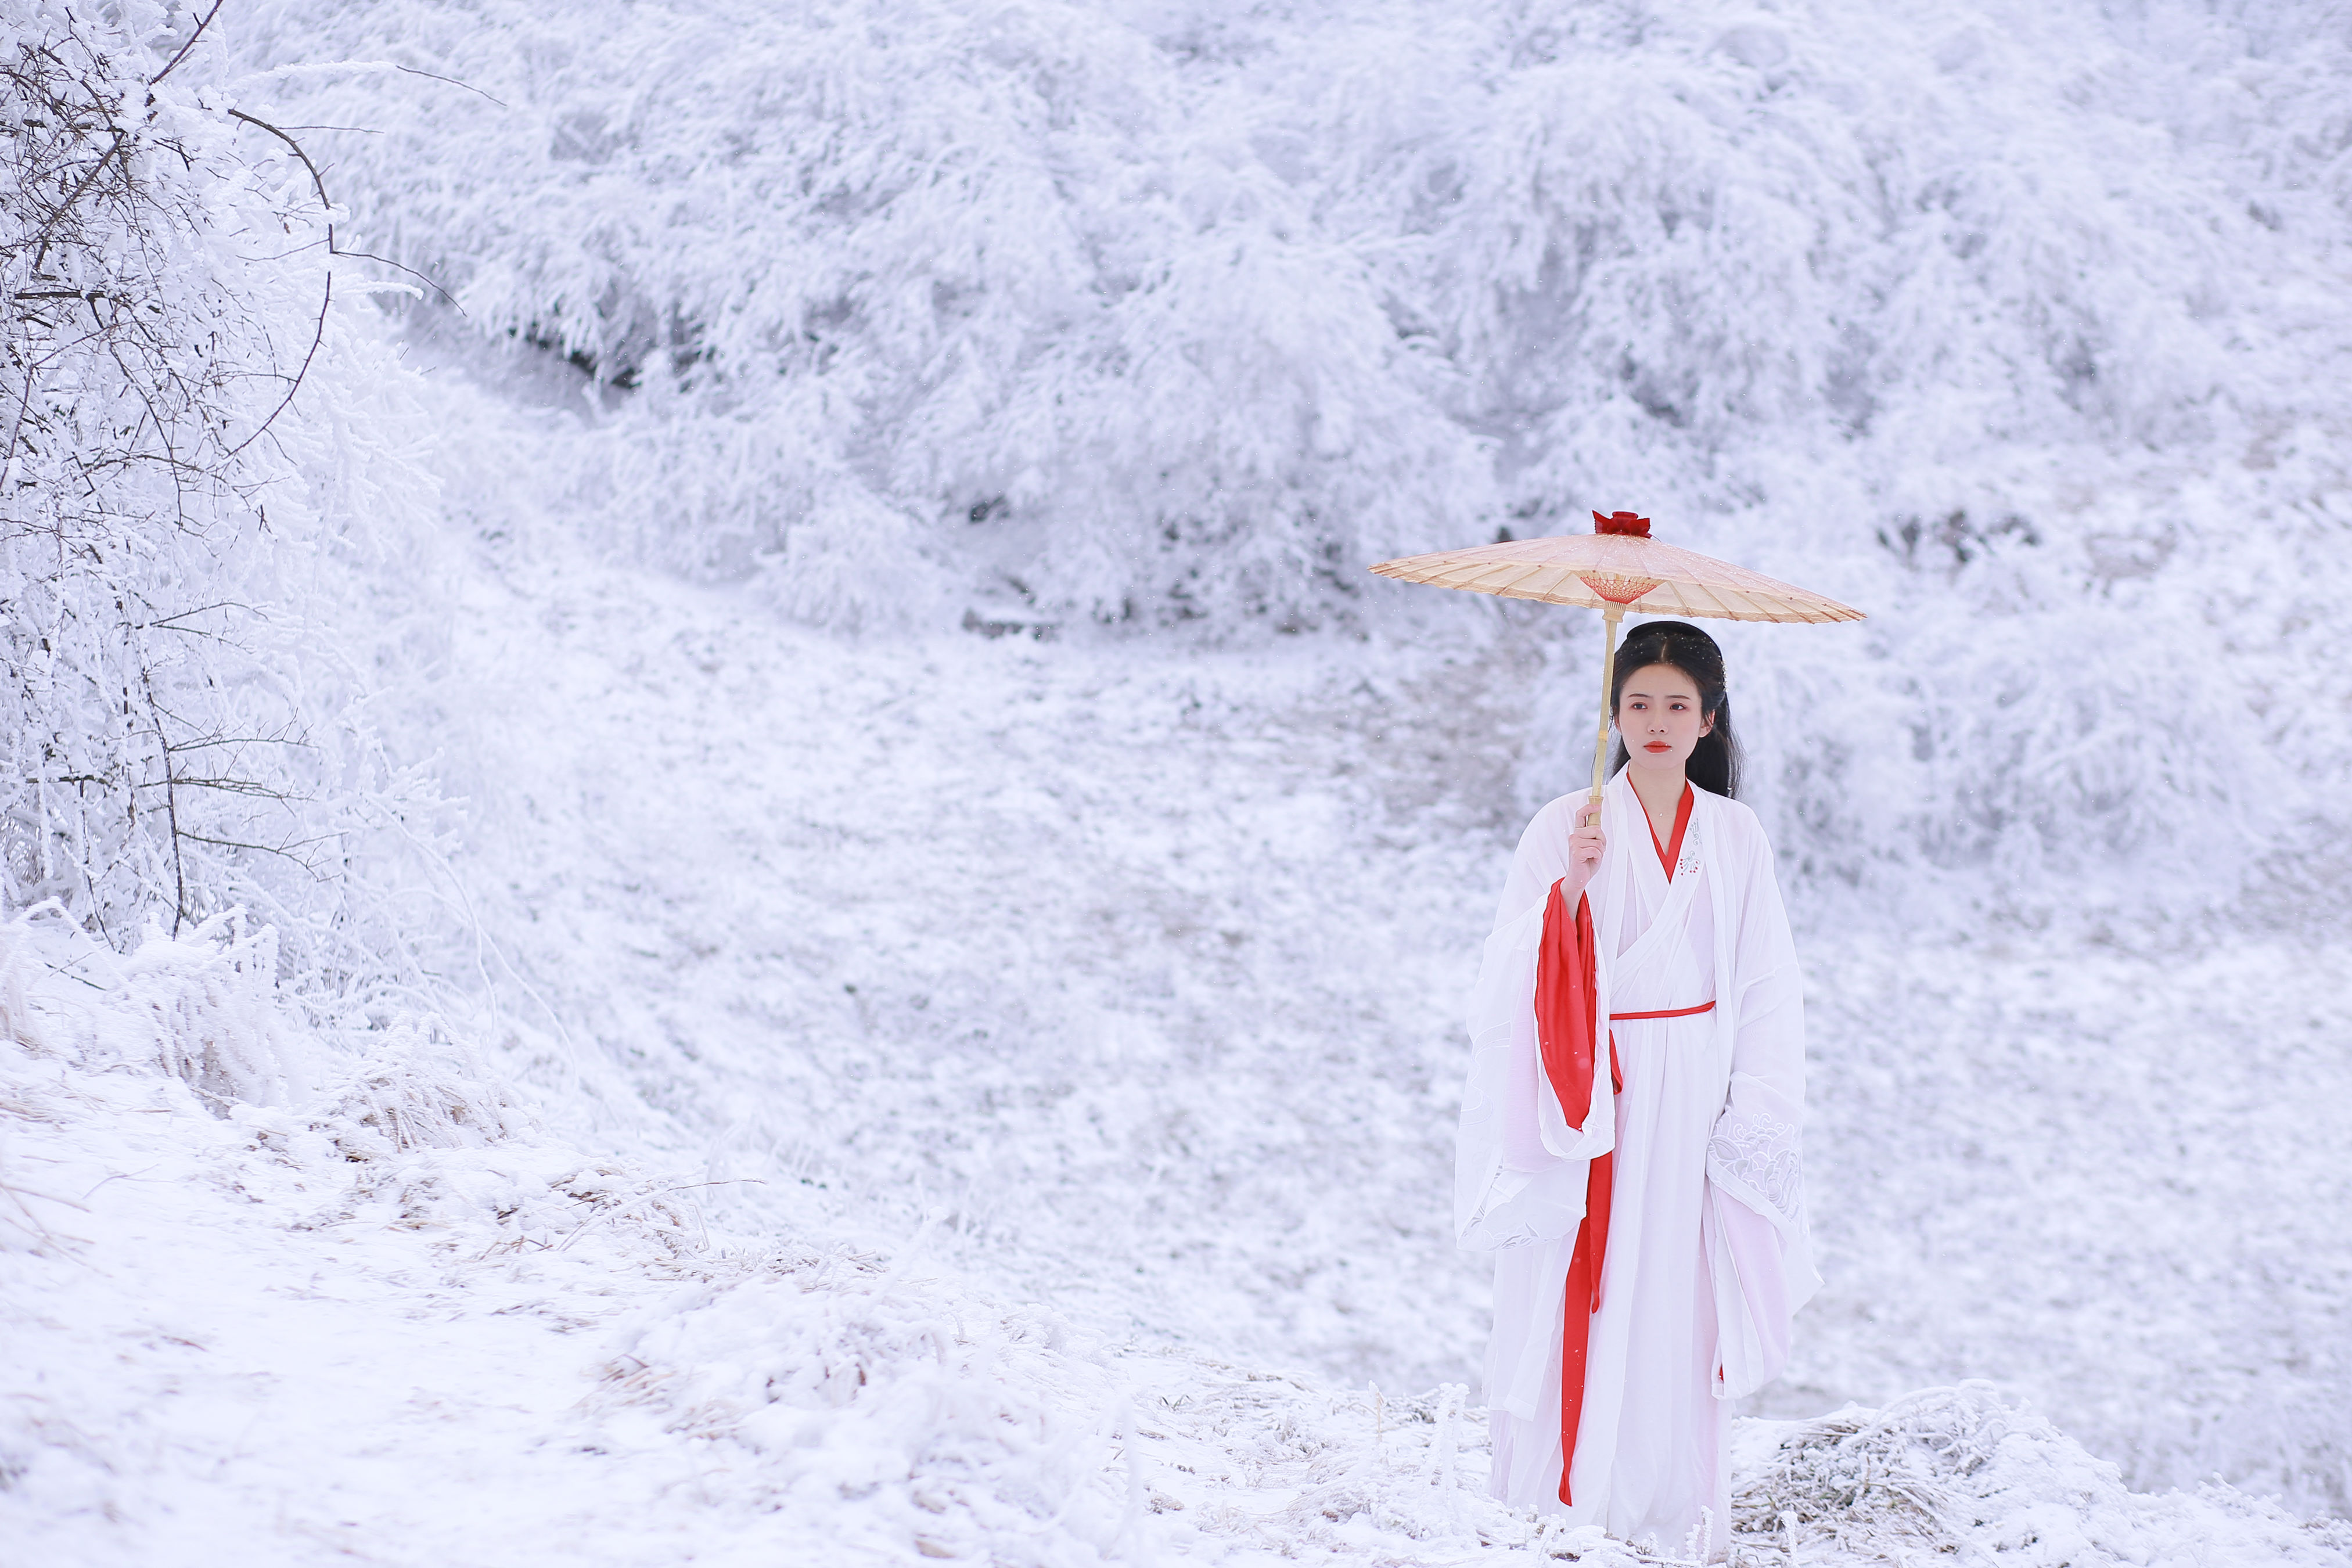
(1754, 1157)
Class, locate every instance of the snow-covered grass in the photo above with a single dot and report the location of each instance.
(1958, 1473)
(276, 1335)
(2112, 1180)
(284, 1333)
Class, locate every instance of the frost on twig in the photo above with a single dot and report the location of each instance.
(176, 734)
(133, 356)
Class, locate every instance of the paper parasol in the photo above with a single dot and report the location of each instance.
(1615, 568)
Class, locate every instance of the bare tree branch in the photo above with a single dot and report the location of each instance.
(173, 64)
(318, 182)
(453, 81)
(320, 337)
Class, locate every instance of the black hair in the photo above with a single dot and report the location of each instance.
(1715, 763)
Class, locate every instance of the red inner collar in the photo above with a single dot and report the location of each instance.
(1672, 851)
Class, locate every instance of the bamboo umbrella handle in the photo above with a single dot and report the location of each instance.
(1610, 617)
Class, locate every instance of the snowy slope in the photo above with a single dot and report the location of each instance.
(326, 1333)
(1067, 1161)
(1143, 966)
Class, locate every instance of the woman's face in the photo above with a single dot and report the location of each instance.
(1659, 717)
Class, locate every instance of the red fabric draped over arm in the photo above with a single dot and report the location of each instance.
(1568, 1026)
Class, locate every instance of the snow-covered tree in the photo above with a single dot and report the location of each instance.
(196, 453)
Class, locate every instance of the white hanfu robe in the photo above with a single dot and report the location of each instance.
(1708, 1254)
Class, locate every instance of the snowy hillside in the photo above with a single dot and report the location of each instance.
(400, 1324)
(858, 910)
(2023, 326)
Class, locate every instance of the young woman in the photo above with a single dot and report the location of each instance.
(1630, 1130)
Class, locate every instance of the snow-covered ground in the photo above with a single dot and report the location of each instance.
(987, 1099)
(1145, 966)
(976, 1083)
(394, 1321)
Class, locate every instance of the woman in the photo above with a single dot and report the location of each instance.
(1628, 1133)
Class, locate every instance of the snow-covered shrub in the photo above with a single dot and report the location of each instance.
(2018, 328)
(1959, 1475)
(412, 1087)
(198, 455)
(208, 1014)
(893, 289)
(205, 1008)
(202, 1007)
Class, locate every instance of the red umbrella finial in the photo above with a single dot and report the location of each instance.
(1622, 523)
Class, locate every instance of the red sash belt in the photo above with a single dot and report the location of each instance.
(1668, 1013)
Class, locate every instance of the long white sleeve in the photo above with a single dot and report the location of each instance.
(1755, 1152)
(1759, 1244)
(1519, 1165)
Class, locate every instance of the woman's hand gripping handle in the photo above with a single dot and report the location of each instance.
(1584, 847)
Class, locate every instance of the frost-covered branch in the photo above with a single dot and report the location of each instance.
(179, 737)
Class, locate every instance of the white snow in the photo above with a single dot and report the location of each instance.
(962, 1082)
(292, 1335)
